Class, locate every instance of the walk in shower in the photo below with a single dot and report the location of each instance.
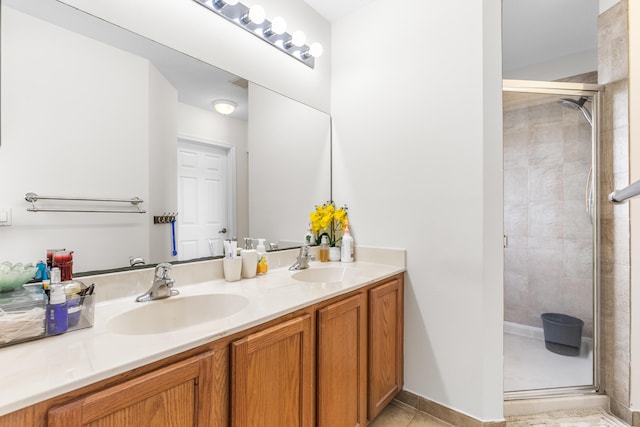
(550, 235)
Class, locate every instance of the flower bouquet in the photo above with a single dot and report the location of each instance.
(328, 221)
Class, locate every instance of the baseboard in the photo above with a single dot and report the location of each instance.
(442, 412)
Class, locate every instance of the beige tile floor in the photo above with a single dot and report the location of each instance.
(399, 415)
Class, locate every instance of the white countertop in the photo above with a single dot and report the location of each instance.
(38, 370)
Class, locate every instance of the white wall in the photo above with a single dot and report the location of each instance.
(188, 27)
(416, 106)
(50, 128)
(206, 125)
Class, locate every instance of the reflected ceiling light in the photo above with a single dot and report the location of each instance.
(253, 19)
(278, 27)
(256, 14)
(224, 106)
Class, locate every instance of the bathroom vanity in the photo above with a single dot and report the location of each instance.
(300, 353)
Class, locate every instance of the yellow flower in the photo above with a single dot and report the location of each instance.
(341, 216)
(325, 220)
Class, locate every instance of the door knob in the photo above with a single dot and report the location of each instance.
(223, 230)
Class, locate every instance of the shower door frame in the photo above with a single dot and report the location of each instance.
(594, 91)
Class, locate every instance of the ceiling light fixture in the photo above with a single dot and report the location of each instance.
(278, 27)
(315, 50)
(297, 39)
(255, 14)
(223, 3)
(253, 19)
(224, 106)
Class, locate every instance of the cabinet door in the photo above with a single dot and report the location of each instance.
(167, 397)
(386, 317)
(272, 378)
(342, 360)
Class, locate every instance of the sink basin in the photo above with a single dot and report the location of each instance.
(166, 315)
(320, 275)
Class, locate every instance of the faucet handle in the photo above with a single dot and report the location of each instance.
(162, 270)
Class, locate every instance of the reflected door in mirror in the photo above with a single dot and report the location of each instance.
(202, 197)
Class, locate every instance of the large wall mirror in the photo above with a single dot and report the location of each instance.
(92, 110)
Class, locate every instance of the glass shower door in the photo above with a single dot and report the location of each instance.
(550, 227)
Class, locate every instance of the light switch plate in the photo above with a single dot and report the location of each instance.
(5, 216)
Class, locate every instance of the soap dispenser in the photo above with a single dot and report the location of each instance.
(57, 318)
(249, 259)
(262, 266)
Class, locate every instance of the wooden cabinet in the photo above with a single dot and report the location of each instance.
(386, 331)
(342, 360)
(337, 363)
(272, 376)
(167, 397)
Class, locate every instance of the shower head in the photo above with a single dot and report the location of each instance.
(578, 105)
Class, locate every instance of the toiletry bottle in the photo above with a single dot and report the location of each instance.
(323, 252)
(308, 238)
(57, 319)
(346, 250)
(249, 259)
(41, 270)
(262, 266)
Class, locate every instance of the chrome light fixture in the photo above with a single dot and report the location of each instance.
(224, 106)
(253, 19)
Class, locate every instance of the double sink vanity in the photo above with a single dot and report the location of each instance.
(321, 346)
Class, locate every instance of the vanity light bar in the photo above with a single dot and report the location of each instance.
(253, 20)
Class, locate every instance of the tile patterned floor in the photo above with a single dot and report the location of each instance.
(400, 415)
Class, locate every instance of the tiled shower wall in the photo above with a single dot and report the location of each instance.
(613, 48)
(548, 258)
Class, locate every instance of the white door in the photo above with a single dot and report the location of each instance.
(202, 199)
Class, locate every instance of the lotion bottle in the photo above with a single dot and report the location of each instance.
(346, 251)
(262, 266)
(57, 318)
(323, 252)
(249, 260)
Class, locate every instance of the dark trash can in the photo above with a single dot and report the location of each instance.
(562, 333)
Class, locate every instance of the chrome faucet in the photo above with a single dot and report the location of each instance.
(133, 261)
(161, 286)
(302, 261)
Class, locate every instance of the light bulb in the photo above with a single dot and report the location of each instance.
(279, 25)
(315, 49)
(256, 14)
(297, 39)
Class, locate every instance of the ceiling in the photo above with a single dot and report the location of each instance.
(534, 31)
(569, 27)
